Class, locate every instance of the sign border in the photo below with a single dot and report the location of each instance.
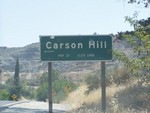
(40, 36)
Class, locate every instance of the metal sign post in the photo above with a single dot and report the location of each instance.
(103, 85)
(1, 79)
(50, 87)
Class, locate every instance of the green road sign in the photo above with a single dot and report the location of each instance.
(77, 47)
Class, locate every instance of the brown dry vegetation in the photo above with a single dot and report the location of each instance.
(123, 98)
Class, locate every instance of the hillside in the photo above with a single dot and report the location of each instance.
(122, 97)
(29, 59)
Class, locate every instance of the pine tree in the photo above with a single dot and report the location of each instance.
(16, 75)
(17, 88)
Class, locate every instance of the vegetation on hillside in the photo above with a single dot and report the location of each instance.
(60, 87)
(139, 40)
(12, 89)
(133, 78)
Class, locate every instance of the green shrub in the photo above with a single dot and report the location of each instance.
(14, 91)
(44, 77)
(2, 86)
(4, 94)
(93, 82)
(42, 92)
(27, 91)
(60, 87)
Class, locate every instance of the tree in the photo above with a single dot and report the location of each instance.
(146, 3)
(16, 89)
(139, 40)
(16, 75)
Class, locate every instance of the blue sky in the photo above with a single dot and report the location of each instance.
(22, 21)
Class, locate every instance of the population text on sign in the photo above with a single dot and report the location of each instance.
(76, 47)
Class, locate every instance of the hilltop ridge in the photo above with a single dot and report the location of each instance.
(29, 59)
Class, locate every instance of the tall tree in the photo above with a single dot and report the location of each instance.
(16, 75)
(17, 88)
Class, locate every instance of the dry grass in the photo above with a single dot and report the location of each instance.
(83, 103)
(76, 98)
